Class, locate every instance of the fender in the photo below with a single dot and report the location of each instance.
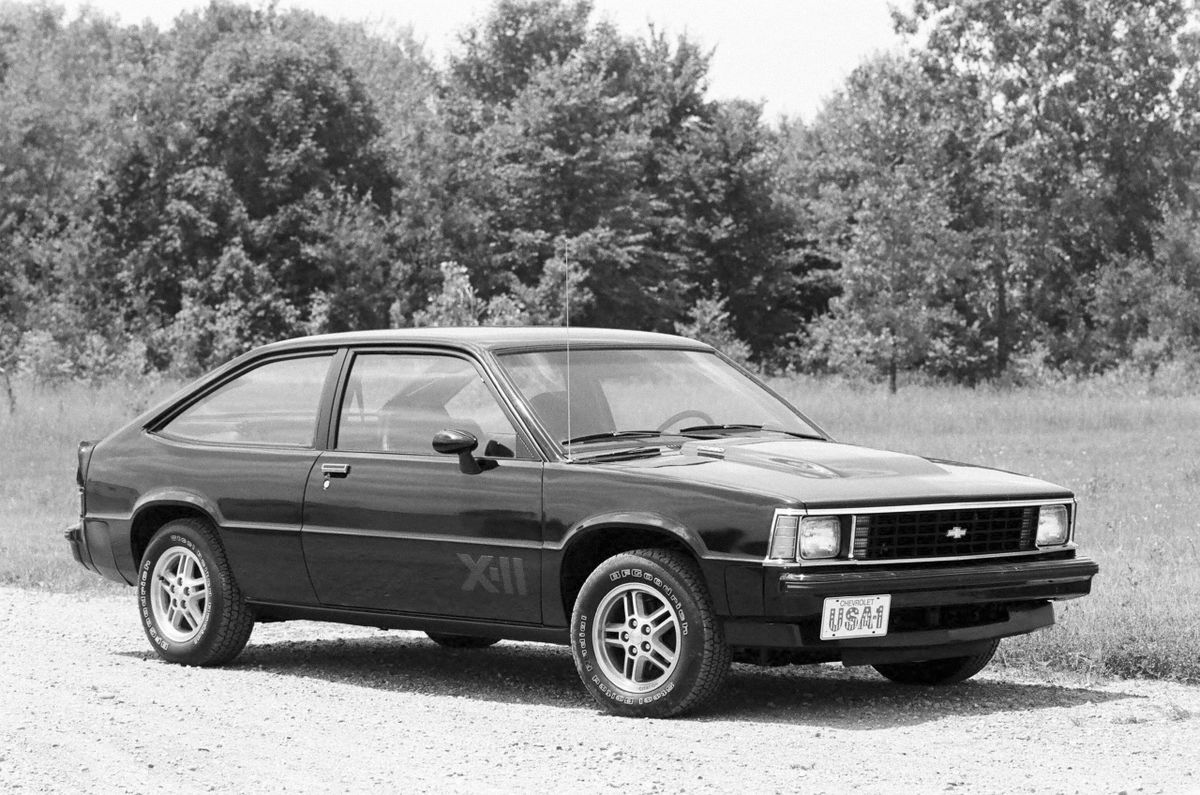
(553, 612)
(631, 519)
(164, 497)
(151, 501)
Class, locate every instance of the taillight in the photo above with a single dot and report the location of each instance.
(85, 458)
(81, 468)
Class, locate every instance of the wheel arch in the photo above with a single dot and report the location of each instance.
(152, 514)
(593, 541)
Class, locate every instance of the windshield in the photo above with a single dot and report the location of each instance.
(646, 393)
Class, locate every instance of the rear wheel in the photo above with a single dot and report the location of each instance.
(191, 608)
(948, 671)
(644, 636)
(461, 641)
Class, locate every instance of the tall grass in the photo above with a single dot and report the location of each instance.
(1133, 460)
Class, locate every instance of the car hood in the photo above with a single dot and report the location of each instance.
(820, 473)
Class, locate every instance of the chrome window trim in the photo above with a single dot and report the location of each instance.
(850, 560)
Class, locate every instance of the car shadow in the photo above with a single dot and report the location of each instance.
(544, 675)
(860, 699)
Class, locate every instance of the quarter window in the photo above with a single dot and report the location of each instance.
(397, 402)
(274, 404)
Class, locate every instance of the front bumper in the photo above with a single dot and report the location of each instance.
(937, 611)
(802, 593)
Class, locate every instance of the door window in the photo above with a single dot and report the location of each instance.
(275, 404)
(396, 403)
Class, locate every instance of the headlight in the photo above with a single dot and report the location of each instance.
(820, 537)
(1053, 528)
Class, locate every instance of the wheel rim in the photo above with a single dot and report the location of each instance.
(637, 638)
(179, 594)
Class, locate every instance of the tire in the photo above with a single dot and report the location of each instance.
(678, 658)
(948, 671)
(191, 608)
(461, 641)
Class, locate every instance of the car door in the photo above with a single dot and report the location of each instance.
(391, 524)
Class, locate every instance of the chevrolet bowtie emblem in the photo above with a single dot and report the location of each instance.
(956, 532)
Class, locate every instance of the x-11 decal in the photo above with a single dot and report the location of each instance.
(506, 576)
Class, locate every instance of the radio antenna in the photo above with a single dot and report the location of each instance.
(566, 259)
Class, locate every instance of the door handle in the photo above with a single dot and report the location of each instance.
(335, 470)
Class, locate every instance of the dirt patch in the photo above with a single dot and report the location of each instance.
(85, 706)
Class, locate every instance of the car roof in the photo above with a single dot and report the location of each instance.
(495, 338)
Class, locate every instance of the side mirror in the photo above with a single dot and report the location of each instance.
(452, 441)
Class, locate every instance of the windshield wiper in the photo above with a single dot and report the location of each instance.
(599, 437)
(743, 426)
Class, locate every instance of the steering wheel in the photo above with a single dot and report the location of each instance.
(679, 415)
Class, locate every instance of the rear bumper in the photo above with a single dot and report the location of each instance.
(79, 550)
(91, 545)
(944, 611)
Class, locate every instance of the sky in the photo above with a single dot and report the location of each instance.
(789, 54)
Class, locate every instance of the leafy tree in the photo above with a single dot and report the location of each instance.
(564, 163)
(729, 226)
(60, 326)
(351, 247)
(608, 143)
(1035, 145)
(1073, 122)
(457, 304)
(883, 209)
(1149, 308)
(890, 314)
(61, 86)
(233, 307)
(1018, 184)
(709, 321)
(259, 169)
(516, 41)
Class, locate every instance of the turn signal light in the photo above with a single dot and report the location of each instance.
(783, 537)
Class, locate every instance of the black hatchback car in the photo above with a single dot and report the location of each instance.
(635, 495)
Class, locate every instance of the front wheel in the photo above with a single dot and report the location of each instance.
(948, 671)
(191, 608)
(644, 636)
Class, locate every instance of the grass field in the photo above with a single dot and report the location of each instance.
(1133, 460)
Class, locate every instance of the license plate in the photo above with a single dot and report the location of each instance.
(855, 616)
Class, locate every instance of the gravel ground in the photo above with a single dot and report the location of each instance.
(85, 706)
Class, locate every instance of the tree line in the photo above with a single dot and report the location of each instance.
(1011, 195)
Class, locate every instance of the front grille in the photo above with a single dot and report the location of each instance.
(944, 533)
